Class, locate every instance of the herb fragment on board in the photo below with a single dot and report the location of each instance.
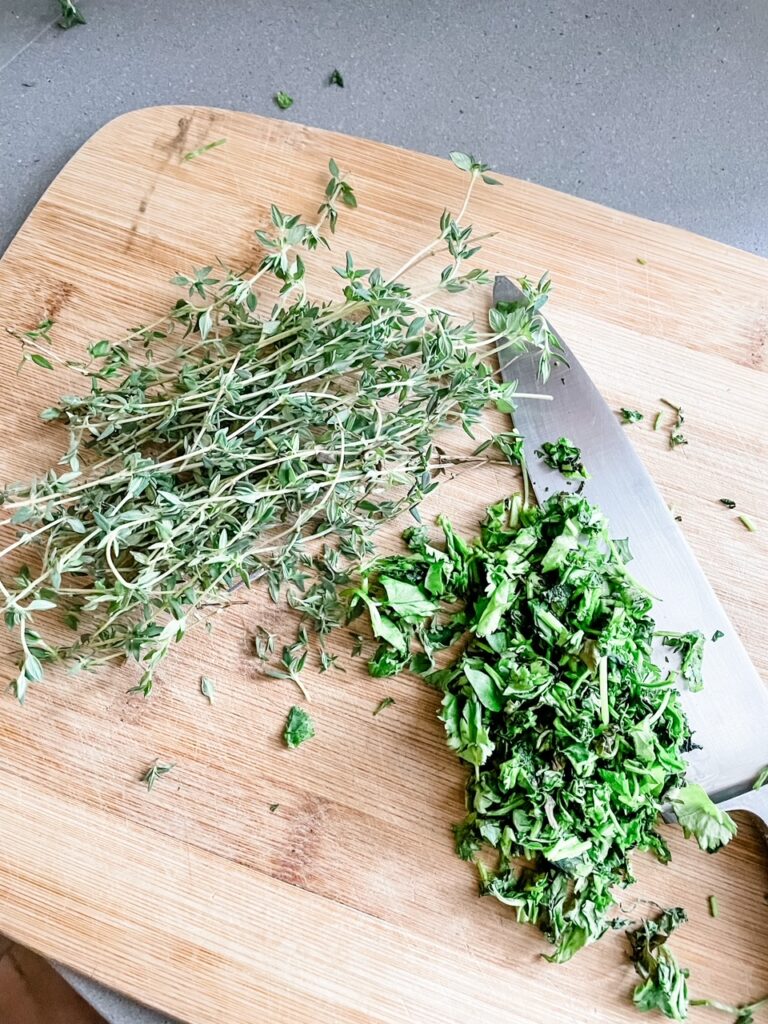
(283, 100)
(676, 436)
(336, 78)
(273, 808)
(747, 523)
(155, 772)
(385, 703)
(717, 635)
(714, 909)
(664, 984)
(195, 153)
(699, 817)
(264, 643)
(70, 14)
(744, 1014)
(761, 779)
(690, 647)
(207, 688)
(657, 420)
(298, 727)
(564, 456)
(728, 502)
(573, 735)
(631, 415)
(640, 260)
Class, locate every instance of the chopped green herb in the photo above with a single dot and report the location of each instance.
(630, 415)
(728, 502)
(761, 779)
(690, 647)
(195, 153)
(657, 420)
(700, 818)
(664, 984)
(283, 100)
(207, 688)
(385, 703)
(70, 14)
(155, 772)
(264, 643)
(714, 909)
(574, 736)
(676, 436)
(717, 635)
(747, 523)
(641, 261)
(298, 728)
(273, 808)
(357, 645)
(744, 1014)
(336, 78)
(564, 456)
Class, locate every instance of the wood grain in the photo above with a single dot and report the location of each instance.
(347, 903)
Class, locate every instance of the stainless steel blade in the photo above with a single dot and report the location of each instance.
(730, 716)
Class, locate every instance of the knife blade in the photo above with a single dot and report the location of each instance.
(729, 718)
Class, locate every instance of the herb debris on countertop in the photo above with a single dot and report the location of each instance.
(564, 456)
(299, 727)
(155, 772)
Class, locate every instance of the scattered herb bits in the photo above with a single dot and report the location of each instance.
(564, 456)
(387, 702)
(273, 808)
(714, 908)
(195, 153)
(283, 100)
(728, 502)
(631, 415)
(747, 523)
(676, 436)
(70, 14)
(298, 728)
(573, 735)
(207, 688)
(761, 779)
(336, 78)
(155, 772)
(717, 635)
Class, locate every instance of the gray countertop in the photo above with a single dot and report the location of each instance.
(657, 107)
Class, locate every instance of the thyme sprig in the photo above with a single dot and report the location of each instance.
(219, 444)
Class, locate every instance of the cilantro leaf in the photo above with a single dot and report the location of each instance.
(700, 817)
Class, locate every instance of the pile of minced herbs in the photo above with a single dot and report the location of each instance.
(541, 643)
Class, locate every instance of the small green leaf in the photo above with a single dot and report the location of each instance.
(39, 360)
(298, 727)
(283, 100)
(336, 78)
(699, 817)
(386, 702)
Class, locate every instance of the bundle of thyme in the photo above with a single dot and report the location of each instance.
(214, 445)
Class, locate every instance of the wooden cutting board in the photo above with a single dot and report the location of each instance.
(347, 902)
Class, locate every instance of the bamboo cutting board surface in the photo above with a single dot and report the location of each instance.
(347, 904)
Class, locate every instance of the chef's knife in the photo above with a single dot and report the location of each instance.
(729, 717)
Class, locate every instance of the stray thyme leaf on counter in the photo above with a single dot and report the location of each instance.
(155, 772)
(573, 735)
(207, 688)
(744, 1014)
(564, 456)
(631, 415)
(283, 100)
(728, 502)
(195, 153)
(70, 14)
(385, 703)
(298, 728)
(664, 984)
(336, 78)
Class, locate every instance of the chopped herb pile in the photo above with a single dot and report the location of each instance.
(664, 984)
(209, 448)
(574, 735)
(155, 772)
(299, 727)
(631, 415)
(283, 100)
(70, 14)
(564, 456)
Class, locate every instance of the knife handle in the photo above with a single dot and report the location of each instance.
(755, 801)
